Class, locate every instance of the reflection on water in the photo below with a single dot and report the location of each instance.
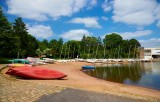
(146, 74)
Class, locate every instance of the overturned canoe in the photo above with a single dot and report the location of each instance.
(35, 73)
(88, 67)
(14, 71)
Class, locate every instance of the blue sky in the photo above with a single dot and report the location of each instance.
(71, 19)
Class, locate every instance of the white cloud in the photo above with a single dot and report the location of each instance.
(104, 18)
(75, 5)
(137, 12)
(130, 35)
(91, 3)
(87, 21)
(43, 9)
(158, 24)
(157, 12)
(136, 18)
(40, 31)
(151, 43)
(76, 34)
(107, 5)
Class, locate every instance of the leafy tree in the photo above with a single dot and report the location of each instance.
(20, 31)
(28, 43)
(71, 49)
(112, 40)
(134, 45)
(59, 45)
(55, 48)
(47, 52)
(32, 45)
(8, 43)
(5, 27)
(43, 45)
(99, 40)
(54, 45)
(124, 48)
(89, 45)
(39, 52)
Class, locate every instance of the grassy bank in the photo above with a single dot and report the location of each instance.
(4, 60)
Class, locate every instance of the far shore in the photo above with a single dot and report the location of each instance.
(79, 80)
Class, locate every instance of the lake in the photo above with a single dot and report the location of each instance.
(145, 74)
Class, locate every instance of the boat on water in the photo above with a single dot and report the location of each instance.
(35, 73)
(88, 67)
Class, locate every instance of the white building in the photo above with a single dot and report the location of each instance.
(151, 53)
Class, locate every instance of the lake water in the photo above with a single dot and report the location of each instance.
(145, 74)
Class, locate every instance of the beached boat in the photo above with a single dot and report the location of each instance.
(88, 67)
(18, 65)
(35, 73)
(24, 61)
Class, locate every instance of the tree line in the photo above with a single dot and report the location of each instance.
(16, 42)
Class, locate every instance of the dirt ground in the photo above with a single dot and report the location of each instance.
(79, 80)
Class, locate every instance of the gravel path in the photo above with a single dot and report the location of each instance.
(12, 90)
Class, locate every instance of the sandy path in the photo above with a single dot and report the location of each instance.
(77, 79)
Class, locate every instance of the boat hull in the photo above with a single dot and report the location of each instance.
(88, 67)
(18, 65)
(23, 61)
(35, 73)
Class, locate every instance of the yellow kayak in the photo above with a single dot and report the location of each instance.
(18, 65)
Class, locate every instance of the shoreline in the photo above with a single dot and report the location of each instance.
(78, 80)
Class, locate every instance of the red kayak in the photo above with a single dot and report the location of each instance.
(36, 73)
(13, 71)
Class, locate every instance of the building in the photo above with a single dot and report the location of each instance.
(149, 53)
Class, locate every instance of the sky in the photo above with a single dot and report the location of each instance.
(71, 19)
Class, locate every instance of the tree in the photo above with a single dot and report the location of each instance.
(89, 45)
(8, 42)
(5, 27)
(112, 40)
(134, 45)
(54, 45)
(124, 48)
(43, 44)
(54, 48)
(39, 52)
(32, 45)
(28, 43)
(47, 52)
(60, 44)
(72, 49)
(20, 30)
